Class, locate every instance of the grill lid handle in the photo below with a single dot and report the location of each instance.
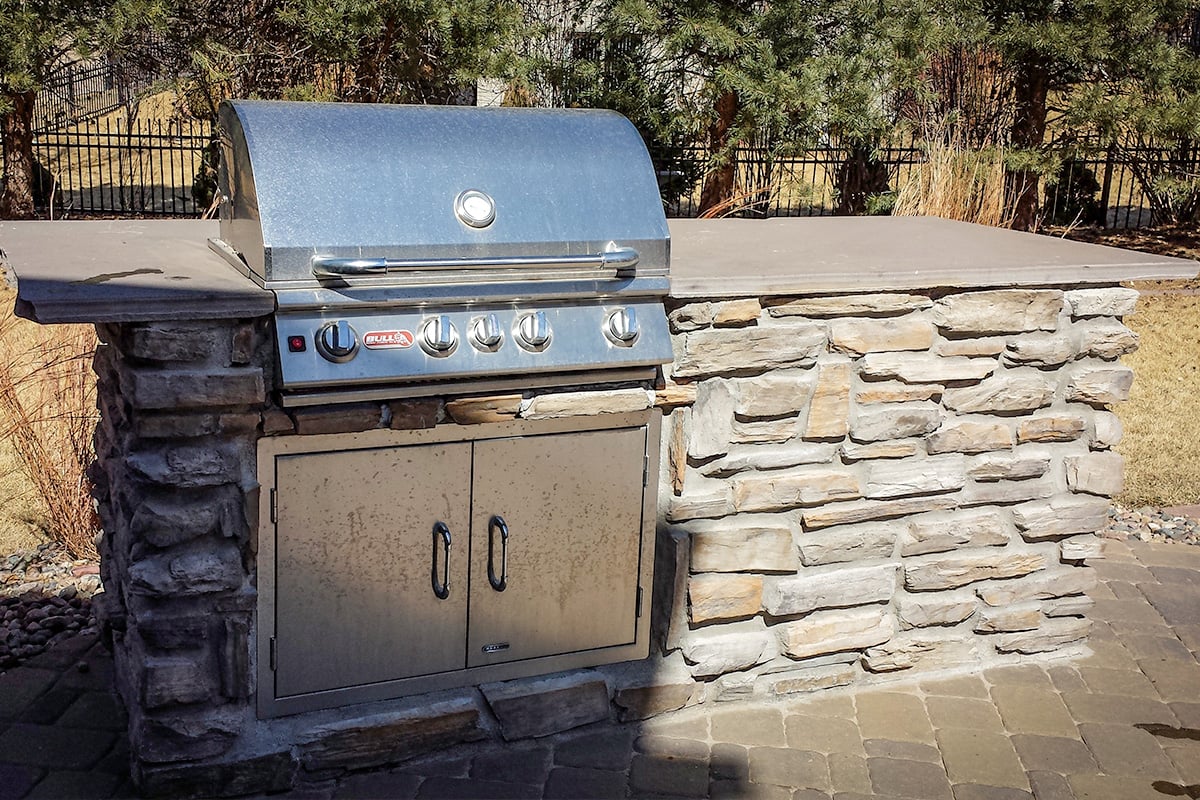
(622, 259)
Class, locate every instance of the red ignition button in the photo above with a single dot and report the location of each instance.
(296, 344)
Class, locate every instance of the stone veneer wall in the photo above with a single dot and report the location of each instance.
(864, 484)
(856, 484)
(183, 405)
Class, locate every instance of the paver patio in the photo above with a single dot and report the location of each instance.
(1121, 723)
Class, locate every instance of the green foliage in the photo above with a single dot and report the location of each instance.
(357, 50)
(38, 35)
(779, 75)
(36, 38)
(1104, 67)
(881, 205)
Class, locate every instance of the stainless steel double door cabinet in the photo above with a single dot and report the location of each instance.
(411, 565)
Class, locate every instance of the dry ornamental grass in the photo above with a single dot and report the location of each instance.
(956, 182)
(47, 417)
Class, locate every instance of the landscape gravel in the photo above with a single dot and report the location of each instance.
(1151, 525)
(46, 596)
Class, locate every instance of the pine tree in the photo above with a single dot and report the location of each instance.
(1107, 66)
(776, 75)
(36, 37)
(399, 51)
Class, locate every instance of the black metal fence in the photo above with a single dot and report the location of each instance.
(1129, 183)
(165, 168)
(1104, 183)
(110, 166)
(804, 184)
(83, 90)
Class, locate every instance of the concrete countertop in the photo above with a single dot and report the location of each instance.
(747, 257)
(143, 270)
(125, 271)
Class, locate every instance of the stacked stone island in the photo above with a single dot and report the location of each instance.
(870, 483)
(887, 448)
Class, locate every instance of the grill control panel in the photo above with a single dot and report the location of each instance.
(408, 345)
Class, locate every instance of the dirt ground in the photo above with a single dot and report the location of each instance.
(1162, 417)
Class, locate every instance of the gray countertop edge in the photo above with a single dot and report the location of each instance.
(149, 310)
(823, 283)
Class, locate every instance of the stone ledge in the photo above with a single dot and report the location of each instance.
(827, 255)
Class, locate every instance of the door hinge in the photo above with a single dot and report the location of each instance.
(274, 654)
(645, 469)
(639, 602)
(274, 506)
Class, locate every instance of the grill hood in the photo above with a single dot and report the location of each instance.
(306, 183)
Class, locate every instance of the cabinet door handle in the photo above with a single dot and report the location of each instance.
(442, 590)
(501, 583)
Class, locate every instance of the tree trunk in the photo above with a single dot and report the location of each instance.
(860, 176)
(16, 196)
(718, 188)
(1028, 133)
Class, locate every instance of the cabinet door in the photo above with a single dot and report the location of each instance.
(355, 544)
(572, 505)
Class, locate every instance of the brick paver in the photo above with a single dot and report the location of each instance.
(893, 715)
(849, 773)
(1173, 679)
(963, 712)
(823, 734)
(1116, 787)
(916, 779)
(1125, 750)
(680, 777)
(908, 751)
(750, 726)
(1118, 708)
(378, 784)
(59, 784)
(581, 782)
(1118, 724)
(980, 757)
(1050, 786)
(1033, 710)
(1053, 754)
(1186, 759)
(54, 747)
(783, 766)
(972, 686)
(21, 687)
(977, 791)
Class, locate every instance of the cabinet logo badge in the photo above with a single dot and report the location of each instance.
(388, 340)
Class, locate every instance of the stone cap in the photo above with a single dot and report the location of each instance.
(147, 270)
(818, 255)
(124, 271)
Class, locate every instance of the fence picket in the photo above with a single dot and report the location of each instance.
(114, 166)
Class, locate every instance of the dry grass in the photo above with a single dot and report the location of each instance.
(1162, 418)
(47, 417)
(22, 514)
(956, 183)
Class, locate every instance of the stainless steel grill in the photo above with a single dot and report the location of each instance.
(418, 250)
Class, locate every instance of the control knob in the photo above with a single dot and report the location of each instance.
(622, 327)
(533, 331)
(486, 332)
(337, 341)
(438, 336)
